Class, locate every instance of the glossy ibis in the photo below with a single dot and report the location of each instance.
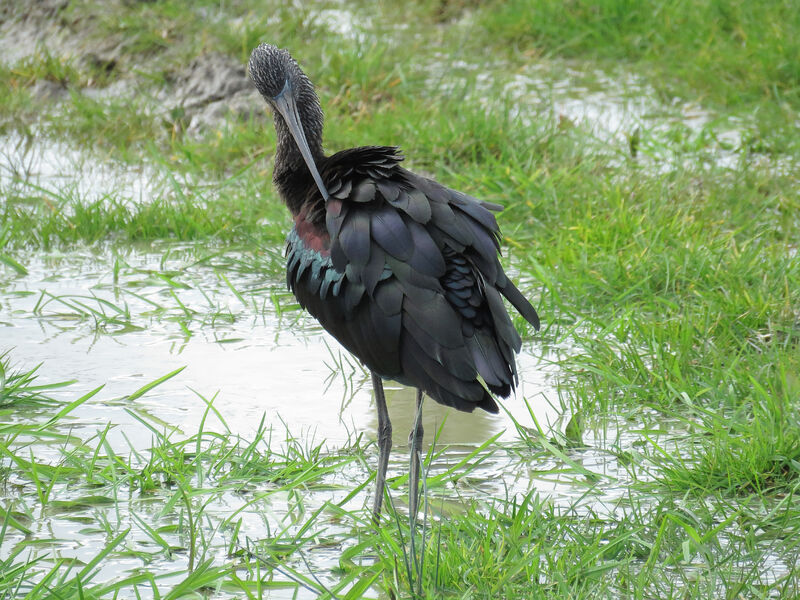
(402, 270)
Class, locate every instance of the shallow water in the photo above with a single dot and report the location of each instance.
(256, 361)
(34, 164)
(620, 112)
(616, 109)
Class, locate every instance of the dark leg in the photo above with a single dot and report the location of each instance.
(384, 445)
(415, 444)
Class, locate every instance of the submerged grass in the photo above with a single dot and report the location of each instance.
(675, 282)
(168, 503)
(17, 389)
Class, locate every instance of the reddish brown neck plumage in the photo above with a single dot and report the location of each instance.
(313, 236)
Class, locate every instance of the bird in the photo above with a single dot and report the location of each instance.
(403, 271)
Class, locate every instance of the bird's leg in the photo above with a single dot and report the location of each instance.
(384, 445)
(415, 445)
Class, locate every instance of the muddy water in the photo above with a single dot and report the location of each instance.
(622, 113)
(57, 169)
(256, 361)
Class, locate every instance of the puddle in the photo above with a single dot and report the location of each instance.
(620, 111)
(57, 170)
(617, 109)
(168, 315)
(258, 362)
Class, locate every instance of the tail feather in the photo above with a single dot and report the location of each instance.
(518, 301)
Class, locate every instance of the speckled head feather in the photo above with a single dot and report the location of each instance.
(271, 68)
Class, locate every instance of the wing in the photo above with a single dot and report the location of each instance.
(416, 283)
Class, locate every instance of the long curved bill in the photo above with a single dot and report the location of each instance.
(285, 104)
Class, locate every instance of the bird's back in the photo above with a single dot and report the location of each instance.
(404, 272)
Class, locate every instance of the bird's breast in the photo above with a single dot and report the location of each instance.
(310, 273)
(312, 236)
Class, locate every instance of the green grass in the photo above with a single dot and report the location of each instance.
(230, 215)
(730, 51)
(668, 284)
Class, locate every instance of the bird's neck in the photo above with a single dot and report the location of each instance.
(290, 172)
(287, 155)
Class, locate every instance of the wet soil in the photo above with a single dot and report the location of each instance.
(201, 94)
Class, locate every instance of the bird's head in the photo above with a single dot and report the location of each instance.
(272, 69)
(285, 87)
